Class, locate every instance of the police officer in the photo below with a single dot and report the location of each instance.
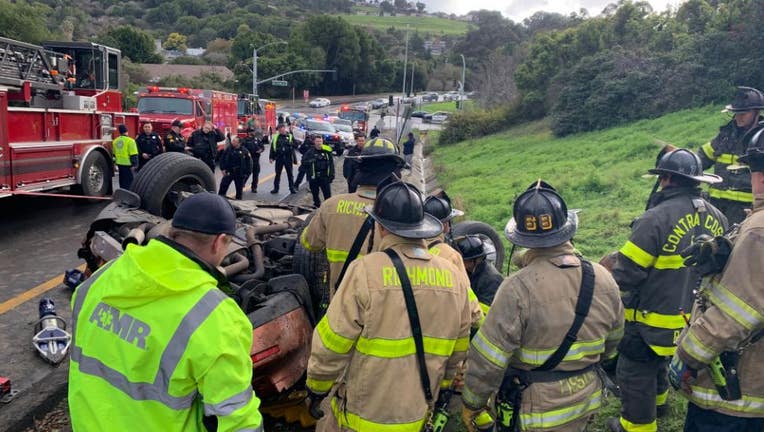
(149, 144)
(351, 164)
(319, 167)
(337, 222)
(527, 343)
(254, 144)
(727, 321)
(204, 143)
(484, 278)
(125, 156)
(364, 348)
(656, 285)
(733, 194)
(306, 145)
(142, 327)
(236, 164)
(282, 152)
(374, 132)
(174, 141)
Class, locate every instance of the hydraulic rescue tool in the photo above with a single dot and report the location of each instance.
(51, 339)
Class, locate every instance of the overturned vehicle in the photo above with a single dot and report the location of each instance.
(278, 284)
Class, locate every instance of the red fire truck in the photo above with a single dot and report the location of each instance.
(358, 117)
(161, 105)
(256, 113)
(60, 106)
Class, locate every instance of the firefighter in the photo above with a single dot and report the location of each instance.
(484, 278)
(727, 321)
(174, 141)
(204, 143)
(364, 348)
(236, 164)
(546, 366)
(149, 144)
(283, 153)
(733, 194)
(350, 164)
(442, 210)
(125, 156)
(656, 285)
(337, 222)
(142, 326)
(255, 144)
(319, 167)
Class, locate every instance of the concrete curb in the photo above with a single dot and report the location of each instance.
(34, 403)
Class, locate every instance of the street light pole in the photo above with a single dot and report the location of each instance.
(461, 89)
(254, 63)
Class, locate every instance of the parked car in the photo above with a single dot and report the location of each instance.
(345, 130)
(311, 126)
(319, 103)
(363, 106)
(378, 103)
(436, 117)
(430, 97)
(419, 114)
(451, 96)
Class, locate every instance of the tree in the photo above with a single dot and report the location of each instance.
(386, 7)
(175, 41)
(24, 21)
(495, 79)
(401, 4)
(420, 6)
(135, 44)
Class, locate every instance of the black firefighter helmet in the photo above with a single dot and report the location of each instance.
(540, 218)
(746, 99)
(377, 149)
(399, 208)
(754, 153)
(470, 246)
(684, 163)
(441, 209)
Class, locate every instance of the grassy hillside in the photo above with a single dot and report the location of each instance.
(431, 25)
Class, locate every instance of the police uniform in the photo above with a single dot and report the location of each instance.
(150, 144)
(142, 325)
(350, 167)
(364, 347)
(256, 147)
(204, 145)
(282, 151)
(319, 167)
(656, 286)
(126, 157)
(237, 164)
(174, 142)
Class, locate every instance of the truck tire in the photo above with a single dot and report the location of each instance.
(159, 181)
(96, 175)
(314, 267)
(490, 237)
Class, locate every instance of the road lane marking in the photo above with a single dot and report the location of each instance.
(34, 292)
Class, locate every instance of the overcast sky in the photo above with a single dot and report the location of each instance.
(517, 10)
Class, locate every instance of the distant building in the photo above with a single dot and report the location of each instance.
(156, 72)
(436, 46)
(195, 52)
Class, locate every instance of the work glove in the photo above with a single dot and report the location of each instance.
(708, 255)
(477, 420)
(313, 403)
(680, 375)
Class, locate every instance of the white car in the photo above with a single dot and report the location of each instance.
(319, 103)
(345, 130)
(439, 117)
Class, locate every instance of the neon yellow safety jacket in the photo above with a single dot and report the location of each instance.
(124, 148)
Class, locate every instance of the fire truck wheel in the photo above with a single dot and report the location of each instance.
(314, 267)
(491, 239)
(96, 175)
(161, 179)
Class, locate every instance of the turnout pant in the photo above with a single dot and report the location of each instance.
(286, 165)
(238, 181)
(125, 176)
(734, 210)
(644, 386)
(703, 420)
(325, 184)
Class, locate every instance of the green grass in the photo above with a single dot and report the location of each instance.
(426, 24)
(598, 172)
(449, 106)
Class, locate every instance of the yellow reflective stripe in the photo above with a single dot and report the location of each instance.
(336, 255)
(733, 306)
(358, 423)
(490, 351)
(634, 427)
(654, 319)
(710, 399)
(395, 348)
(446, 383)
(638, 255)
(664, 351)
(731, 195)
(697, 349)
(462, 344)
(331, 340)
(577, 351)
(471, 399)
(611, 356)
(304, 240)
(669, 262)
(616, 333)
(471, 295)
(485, 308)
(319, 386)
(551, 419)
(708, 149)
(726, 158)
(661, 398)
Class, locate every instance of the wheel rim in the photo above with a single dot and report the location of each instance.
(95, 178)
(189, 183)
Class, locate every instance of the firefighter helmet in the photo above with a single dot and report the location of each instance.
(470, 246)
(540, 218)
(684, 163)
(746, 99)
(399, 208)
(380, 148)
(441, 209)
(754, 154)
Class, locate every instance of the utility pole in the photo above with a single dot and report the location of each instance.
(405, 66)
(411, 87)
(461, 87)
(254, 64)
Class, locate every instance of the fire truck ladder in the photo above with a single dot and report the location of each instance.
(21, 62)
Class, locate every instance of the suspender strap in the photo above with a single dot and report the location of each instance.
(434, 243)
(355, 248)
(582, 310)
(416, 327)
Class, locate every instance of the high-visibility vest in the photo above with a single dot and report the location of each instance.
(123, 147)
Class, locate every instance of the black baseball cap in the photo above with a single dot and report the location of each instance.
(122, 129)
(206, 213)
(177, 123)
